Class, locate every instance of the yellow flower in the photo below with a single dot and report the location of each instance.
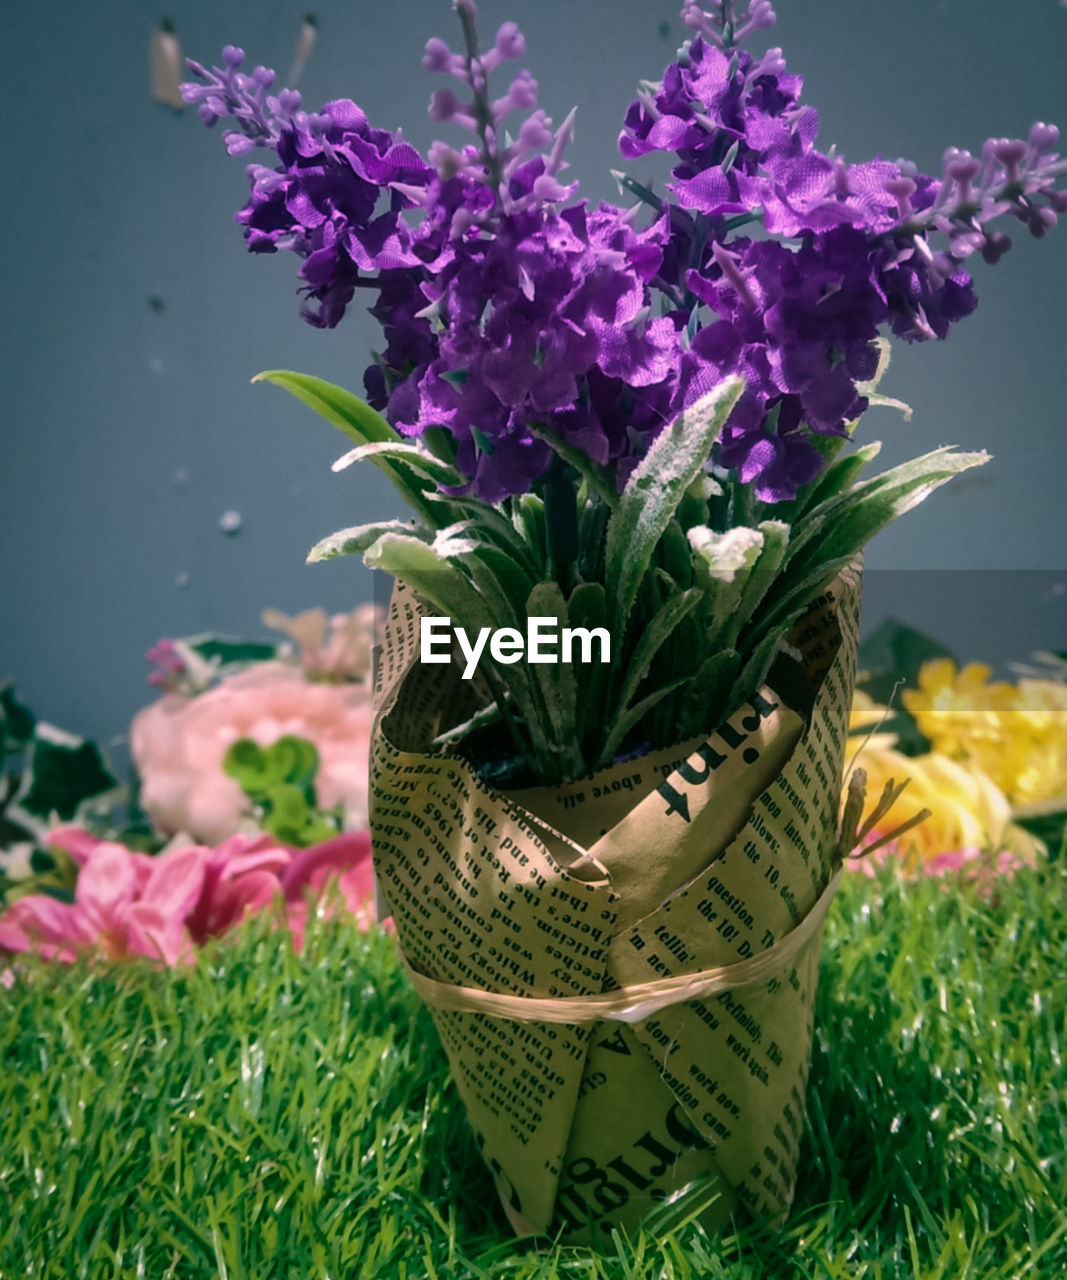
(968, 811)
(1016, 734)
(956, 710)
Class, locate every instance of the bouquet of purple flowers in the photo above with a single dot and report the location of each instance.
(635, 424)
(635, 418)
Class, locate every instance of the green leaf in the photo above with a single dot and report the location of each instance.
(764, 571)
(693, 509)
(654, 492)
(845, 523)
(316, 831)
(597, 477)
(357, 420)
(831, 537)
(16, 721)
(294, 760)
(442, 584)
(288, 807)
(758, 660)
(529, 522)
(348, 413)
(869, 389)
(432, 576)
(673, 556)
(220, 651)
(630, 720)
(707, 694)
(357, 540)
(653, 637)
(288, 761)
(247, 764)
(557, 686)
(425, 464)
(875, 400)
(840, 475)
(441, 443)
(492, 528)
(62, 772)
(499, 576)
(587, 609)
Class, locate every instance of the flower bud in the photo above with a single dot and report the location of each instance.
(237, 144)
(761, 15)
(443, 105)
(1044, 137)
(1009, 151)
(534, 132)
(438, 56)
(963, 167)
(901, 189)
(510, 42)
(1040, 220)
(995, 247)
(461, 221)
(548, 189)
(523, 92)
(445, 160)
(841, 188)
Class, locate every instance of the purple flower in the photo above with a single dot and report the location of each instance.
(513, 312)
(727, 116)
(527, 316)
(335, 199)
(496, 162)
(776, 459)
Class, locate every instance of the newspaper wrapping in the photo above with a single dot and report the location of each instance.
(571, 941)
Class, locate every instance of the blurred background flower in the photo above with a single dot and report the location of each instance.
(127, 903)
(321, 694)
(991, 750)
(1016, 734)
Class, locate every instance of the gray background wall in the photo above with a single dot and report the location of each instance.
(129, 429)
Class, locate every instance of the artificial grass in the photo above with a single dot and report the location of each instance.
(268, 1114)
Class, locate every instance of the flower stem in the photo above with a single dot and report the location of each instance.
(479, 84)
(561, 521)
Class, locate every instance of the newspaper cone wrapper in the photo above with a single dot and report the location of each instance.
(622, 970)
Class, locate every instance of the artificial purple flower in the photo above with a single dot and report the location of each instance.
(513, 312)
(336, 197)
(728, 117)
(527, 315)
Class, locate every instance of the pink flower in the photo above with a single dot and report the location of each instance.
(128, 903)
(348, 858)
(178, 744)
(981, 866)
(334, 648)
(124, 904)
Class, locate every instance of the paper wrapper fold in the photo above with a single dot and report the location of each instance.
(622, 970)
